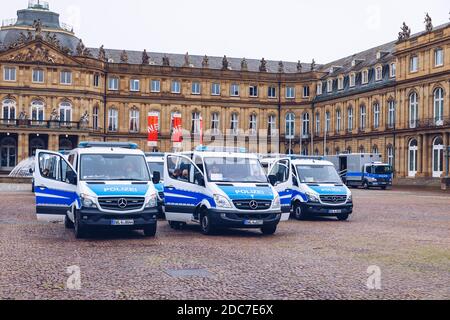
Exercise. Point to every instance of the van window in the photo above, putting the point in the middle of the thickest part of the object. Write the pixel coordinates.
(281, 170)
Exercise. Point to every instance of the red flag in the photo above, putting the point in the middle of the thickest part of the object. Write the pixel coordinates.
(177, 135)
(153, 129)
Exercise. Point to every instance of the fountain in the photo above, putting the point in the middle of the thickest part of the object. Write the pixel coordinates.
(22, 170)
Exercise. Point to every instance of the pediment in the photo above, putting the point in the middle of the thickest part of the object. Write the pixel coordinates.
(38, 52)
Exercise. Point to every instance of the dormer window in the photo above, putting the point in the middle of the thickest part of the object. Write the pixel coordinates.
(393, 70)
(378, 73)
(329, 85)
(319, 88)
(352, 79)
(341, 83)
(365, 76)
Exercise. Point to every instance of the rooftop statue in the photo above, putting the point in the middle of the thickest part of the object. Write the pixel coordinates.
(205, 62)
(299, 66)
(280, 67)
(263, 65)
(145, 57)
(37, 25)
(405, 33)
(428, 23)
(187, 63)
(244, 65)
(124, 57)
(102, 53)
(313, 65)
(165, 61)
(225, 63)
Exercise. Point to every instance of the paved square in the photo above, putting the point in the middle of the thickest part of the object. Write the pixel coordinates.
(406, 233)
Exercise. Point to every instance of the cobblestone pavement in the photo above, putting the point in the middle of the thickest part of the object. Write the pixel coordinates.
(405, 233)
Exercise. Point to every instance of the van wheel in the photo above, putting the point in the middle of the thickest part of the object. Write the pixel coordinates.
(269, 230)
(80, 230)
(205, 221)
(150, 231)
(365, 185)
(299, 212)
(343, 216)
(68, 223)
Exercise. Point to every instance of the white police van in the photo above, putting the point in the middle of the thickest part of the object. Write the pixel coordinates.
(155, 162)
(219, 188)
(99, 185)
(309, 186)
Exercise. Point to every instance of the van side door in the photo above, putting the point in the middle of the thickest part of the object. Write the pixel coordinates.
(281, 169)
(184, 188)
(55, 186)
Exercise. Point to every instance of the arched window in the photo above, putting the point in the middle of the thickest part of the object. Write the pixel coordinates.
(8, 153)
(391, 113)
(65, 112)
(37, 111)
(215, 122)
(413, 110)
(113, 119)
(327, 122)
(375, 150)
(390, 155)
(376, 115)
(134, 120)
(95, 115)
(349, 150)
(438, 157)
(271, 125)
(9, 111)
(362, 117)
(290, 126)
(350, 119)
(196, 123)
(338, 121)
(412, 158)
(253, 123)
(362, 149)
(305, 124)
(234, 123)
(438, 102)
(317, 123)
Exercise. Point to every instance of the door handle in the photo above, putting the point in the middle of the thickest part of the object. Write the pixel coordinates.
(42, 187)
(170, 187)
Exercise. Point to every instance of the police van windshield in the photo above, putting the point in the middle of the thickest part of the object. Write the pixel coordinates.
(382, 170)
(113, 167)
(156, 167)
(315, 174)
(235, 170)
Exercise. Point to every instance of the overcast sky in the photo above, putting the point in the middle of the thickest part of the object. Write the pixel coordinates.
(286, 30)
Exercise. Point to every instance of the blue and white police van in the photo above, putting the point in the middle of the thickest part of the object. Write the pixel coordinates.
(309, 187)
(155, 162)
(219, 188)
(96, 185)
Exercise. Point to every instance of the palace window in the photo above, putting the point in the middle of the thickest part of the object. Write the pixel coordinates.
(234, 90)
(65, 112)
(234, 123)
(306, 92)
(365, 77)
(352, 80)
(391, 113)
(253, 91)
(176, 87)
(376, 115)
(196, 123)
(66, 77)
(134, 85)
(196, 88)
(319, 88)
(290, 126)
(271, 125)
(378, 73)
(9, 74)
(215, 89)
(438, 102)
(438, 57)
(305, 124)
(38, 76)
(155, 86)
(134, 120)
(113, 83)
(350, 119)
(362, 117)
(317, 123)
(327, 122)
(390, 155)
(37, 110)
(341, 83)
(338, 121)
(253, 124)
(272, 92)
(329, 85)
(413, 110)
(96, 80)
(9, 109)
(113, 120)
(95, 118)
(215, 122)
(393, 70)
(290, 92)
(413, 63)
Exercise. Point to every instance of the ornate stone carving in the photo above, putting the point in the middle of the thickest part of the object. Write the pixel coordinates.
(37, 25)
(102, 53)
(205, 62)
(35, 54)
(225, 63)
(166, 61)
(299, 66)
(54, 116)
(244, 65)
(145, 57)
(280, 67)
(80, 48)
(23, 114)
(263, 65)
(428, 23)
(52, 39)
(124, 57)
(405, 33)
(84, 119)
(313, 65)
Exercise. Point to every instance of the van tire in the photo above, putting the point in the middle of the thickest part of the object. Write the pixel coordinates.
(150, 231)
(68, 223)
(343, 216)
(299, 212)
(365, 185)
(269, 230)
(80, 230)
(205, 223)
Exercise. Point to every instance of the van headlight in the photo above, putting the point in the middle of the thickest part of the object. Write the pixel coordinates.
(312, 197)
(350, 198)
(276, 203)
(88, 201)
(221, 201)
(152, 201)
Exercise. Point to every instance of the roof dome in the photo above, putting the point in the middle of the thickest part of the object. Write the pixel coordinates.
(11, 30)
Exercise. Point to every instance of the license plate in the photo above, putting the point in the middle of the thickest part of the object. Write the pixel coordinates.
(253, 222)
(122, 222)
(335, 211)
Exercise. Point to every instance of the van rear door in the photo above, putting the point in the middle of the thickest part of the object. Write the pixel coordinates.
(55, 186)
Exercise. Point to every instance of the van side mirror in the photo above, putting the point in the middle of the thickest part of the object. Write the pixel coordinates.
(273, 180)
(156, 177)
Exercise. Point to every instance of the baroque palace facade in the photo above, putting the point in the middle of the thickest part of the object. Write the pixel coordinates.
(393, 99)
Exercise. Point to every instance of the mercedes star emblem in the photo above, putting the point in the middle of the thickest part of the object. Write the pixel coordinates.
(253, 205)
(122, 203)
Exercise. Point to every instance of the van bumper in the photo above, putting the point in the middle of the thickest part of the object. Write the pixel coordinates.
(97, 218)
(319, 209)
(240, 220)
